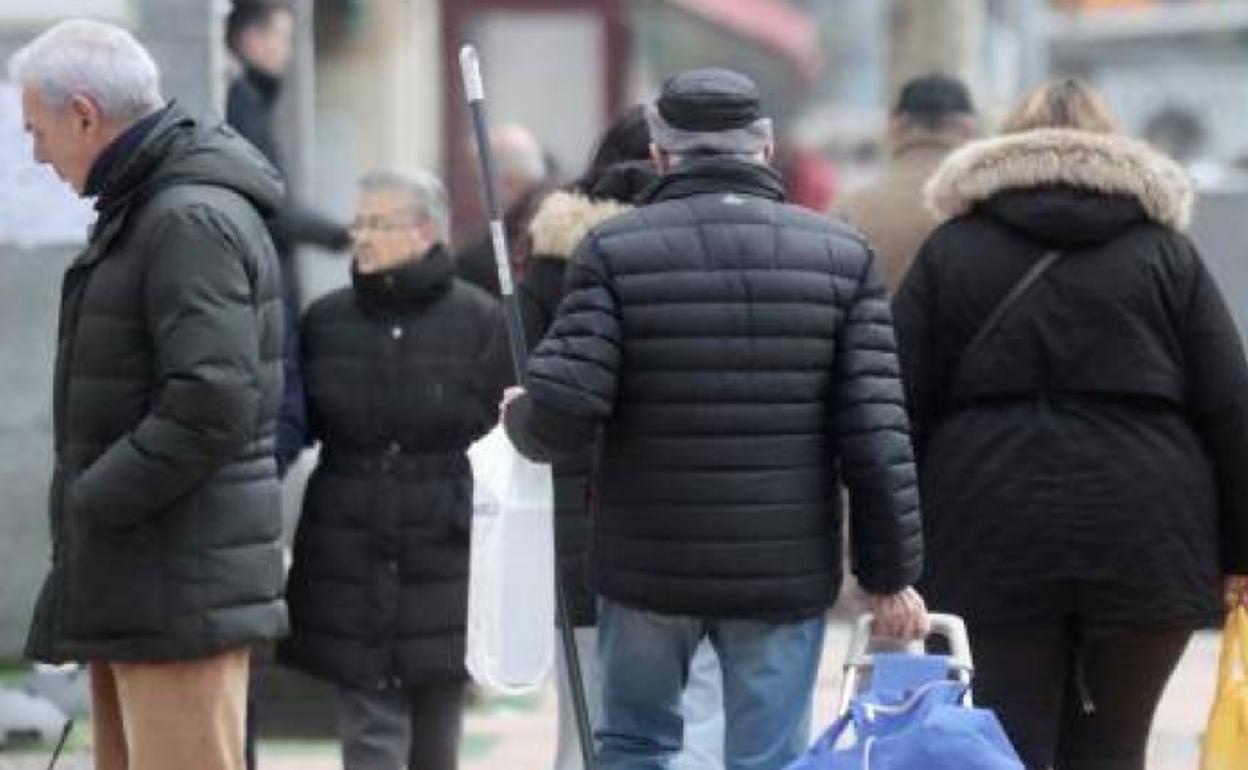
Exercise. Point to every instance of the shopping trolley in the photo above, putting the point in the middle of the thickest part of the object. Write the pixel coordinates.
(905, 709)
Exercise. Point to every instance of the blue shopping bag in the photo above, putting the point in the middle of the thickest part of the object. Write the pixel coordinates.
(912, 718)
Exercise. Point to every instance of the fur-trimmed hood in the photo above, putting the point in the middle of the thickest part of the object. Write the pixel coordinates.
(1062, 158)
(564, 219)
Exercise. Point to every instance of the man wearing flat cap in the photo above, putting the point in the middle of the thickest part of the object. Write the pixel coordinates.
(736, 355)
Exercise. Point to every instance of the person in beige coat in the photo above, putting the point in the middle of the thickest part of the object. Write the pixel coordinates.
(934, 116)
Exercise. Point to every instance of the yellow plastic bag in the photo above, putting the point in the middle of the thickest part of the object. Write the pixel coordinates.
(1226, 737)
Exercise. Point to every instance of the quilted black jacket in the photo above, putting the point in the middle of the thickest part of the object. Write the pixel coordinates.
(738, 355)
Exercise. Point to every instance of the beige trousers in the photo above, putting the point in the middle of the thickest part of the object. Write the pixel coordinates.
(183, 715)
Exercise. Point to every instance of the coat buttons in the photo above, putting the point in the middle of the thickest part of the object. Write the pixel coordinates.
(397, 332)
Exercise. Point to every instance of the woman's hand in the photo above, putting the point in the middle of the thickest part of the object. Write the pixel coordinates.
(902, 615)
(1235, 592)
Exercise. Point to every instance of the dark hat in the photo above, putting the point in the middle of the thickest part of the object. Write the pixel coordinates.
(709, 100)
(934, 95)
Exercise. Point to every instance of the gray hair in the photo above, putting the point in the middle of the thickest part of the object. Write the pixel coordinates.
(89, 58)
(425, 192)
(745, 141)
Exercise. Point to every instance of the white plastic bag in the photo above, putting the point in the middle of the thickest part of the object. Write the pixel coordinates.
(511, 582)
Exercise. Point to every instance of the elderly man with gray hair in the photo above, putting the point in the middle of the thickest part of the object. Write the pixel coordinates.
(164, 507)
(736, 355)
(403, 371)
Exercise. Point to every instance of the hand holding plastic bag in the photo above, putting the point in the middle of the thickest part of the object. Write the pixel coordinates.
(1226, 737)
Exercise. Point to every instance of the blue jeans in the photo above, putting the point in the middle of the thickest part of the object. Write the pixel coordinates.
(768, 674)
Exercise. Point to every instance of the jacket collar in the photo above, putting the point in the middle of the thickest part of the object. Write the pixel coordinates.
(130, 170)
(1052, 158)
(118, 152)
(268, 86)
(916, 141)
(714, 174)
(407, 285)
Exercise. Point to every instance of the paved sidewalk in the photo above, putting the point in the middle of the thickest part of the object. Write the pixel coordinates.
(518, 734)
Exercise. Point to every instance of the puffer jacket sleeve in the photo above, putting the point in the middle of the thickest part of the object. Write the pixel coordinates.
(871, 429)
(200, 306)
(572, 375)
(1217, 395)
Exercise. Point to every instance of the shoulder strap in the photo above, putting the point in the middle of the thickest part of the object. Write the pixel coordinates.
(1009, 300)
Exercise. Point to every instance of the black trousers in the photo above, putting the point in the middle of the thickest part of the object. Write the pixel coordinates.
(1073, 700)
(418, 728)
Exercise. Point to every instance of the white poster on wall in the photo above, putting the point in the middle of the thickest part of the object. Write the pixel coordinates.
(36, 207)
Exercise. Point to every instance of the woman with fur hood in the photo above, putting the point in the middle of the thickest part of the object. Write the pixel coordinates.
(1081, 459)
(618, 173)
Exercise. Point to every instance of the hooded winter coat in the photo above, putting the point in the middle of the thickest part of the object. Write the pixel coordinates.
(1088, 457)
(165, 506)
(404, 370)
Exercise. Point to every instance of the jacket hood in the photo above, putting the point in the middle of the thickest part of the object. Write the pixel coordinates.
(1043, 181)
(564, 219)
(182, 150)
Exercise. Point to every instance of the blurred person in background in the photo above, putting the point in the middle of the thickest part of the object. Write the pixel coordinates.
(934, 115)
(732, 351)
(524, 178)
(260, 35)
(1082, 466)
(403, 370)
(165, 508)
(619, 172)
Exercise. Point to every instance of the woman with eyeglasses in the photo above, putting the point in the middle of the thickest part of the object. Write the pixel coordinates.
(404, 369)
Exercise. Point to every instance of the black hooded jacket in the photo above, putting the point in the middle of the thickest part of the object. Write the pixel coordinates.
(165, 507)
(1088, 457)
(737, 355)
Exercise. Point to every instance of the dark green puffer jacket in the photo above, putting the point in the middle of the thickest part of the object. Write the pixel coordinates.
(165, 504)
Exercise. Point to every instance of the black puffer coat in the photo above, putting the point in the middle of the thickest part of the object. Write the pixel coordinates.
(561, 222)
(165, 505)
(739, 354)
(404, 371)
(1089, 457)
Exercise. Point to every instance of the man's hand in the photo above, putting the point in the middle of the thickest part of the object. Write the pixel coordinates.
(509, 395)
(1235, 592)
(902, 615)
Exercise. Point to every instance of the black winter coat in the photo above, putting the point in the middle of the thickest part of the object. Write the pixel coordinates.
(738, 353)
(165, 506)
(404, 370)
(1089, 457)
(561, 222)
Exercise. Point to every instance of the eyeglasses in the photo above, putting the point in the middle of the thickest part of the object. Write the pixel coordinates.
(384, 224)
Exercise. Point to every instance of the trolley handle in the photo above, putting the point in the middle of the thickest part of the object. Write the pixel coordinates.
(951, 627)
(859, 660)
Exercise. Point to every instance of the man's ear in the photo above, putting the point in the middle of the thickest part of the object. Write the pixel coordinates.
(85, 113)
(769, 151)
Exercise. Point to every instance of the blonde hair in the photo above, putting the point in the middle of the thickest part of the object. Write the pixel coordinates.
(1062, 103)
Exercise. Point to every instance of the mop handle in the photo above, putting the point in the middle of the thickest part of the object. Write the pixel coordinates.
(474, 89)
